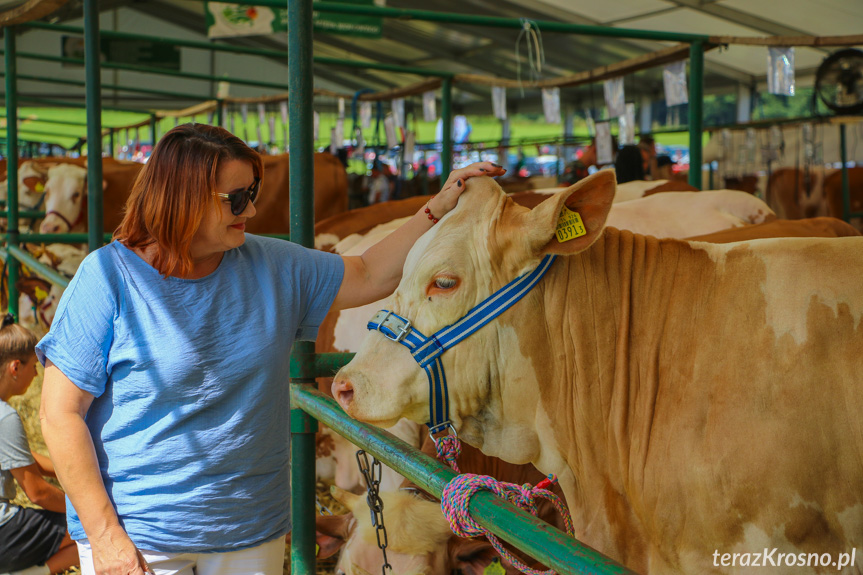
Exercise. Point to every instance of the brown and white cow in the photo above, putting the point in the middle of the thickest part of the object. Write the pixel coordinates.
(67, 192)
(693, 398)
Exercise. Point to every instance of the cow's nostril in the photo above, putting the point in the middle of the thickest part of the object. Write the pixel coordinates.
(343, 391)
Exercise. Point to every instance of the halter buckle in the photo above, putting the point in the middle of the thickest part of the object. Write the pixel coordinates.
(403, 331)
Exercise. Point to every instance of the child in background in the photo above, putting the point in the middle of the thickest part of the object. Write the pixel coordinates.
(32, 541)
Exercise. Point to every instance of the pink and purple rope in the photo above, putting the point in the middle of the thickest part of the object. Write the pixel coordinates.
(457, 493)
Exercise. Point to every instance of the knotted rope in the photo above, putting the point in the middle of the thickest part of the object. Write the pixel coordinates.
(457, 493)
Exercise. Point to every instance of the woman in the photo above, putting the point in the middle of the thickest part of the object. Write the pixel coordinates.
(165, 404)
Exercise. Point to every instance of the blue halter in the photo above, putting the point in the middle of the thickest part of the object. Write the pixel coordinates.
(427, 350)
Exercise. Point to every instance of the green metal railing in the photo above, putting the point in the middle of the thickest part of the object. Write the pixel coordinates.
(544, 543)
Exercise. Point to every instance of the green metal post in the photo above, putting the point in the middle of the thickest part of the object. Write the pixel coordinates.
(303, 426)
(220, 113)
(12, 163)
(92, 76)
(111, 142)
(696, 116)
(846, 194)
(446, 119)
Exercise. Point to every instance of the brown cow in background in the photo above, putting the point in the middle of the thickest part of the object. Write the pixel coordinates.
(272, 205)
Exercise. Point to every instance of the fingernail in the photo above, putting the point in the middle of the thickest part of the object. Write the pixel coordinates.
(482, 169)
(497, 165)
(459, 183)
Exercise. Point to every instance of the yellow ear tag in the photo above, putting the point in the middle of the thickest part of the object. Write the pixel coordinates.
(40, 293)
(569, 226)
(494, 568)
(317, 549)
(40, 187)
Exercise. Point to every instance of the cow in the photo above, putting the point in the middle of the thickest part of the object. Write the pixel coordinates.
(331, 193)
(66, 193)
(32, 176)
(694, 399)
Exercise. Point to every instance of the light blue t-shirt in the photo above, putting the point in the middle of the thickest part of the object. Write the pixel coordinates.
(191, 417)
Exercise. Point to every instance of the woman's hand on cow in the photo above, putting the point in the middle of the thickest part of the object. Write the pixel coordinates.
(447, 199)
(115, 554)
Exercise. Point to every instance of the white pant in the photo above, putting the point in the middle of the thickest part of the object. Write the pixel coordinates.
(266, 559)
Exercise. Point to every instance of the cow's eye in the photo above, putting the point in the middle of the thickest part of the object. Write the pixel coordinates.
(445, 282)
(441, 285)
(75, 196)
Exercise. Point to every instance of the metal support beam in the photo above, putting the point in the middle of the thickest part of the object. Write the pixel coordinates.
(93, 77)
(696, 114)
(494, 22)
(12, 164)
(303, 426)
(215, 47)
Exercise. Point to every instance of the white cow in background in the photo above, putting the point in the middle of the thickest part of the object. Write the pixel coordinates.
(65, 208)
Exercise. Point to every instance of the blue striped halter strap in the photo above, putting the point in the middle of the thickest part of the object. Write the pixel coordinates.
(427, 351)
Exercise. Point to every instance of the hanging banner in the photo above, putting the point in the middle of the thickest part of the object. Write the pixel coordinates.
(551, 105)
(780, 70)
(341, 108)
(429, 106)
(398, 106)
(225, 20)
(614, 97)
(333, 147)
(603, 143)
(366, 114)
(271, 121)
(360, 149)
(410, 143)
(316, 127)
(674, 82)
(588, 120)
(244, 114)
(340, 133)
(627, 126)
(390, 129)
(498, 102)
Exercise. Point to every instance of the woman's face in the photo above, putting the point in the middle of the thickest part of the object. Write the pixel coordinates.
(221, 230)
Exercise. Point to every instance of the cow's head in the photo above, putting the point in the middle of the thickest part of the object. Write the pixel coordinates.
(65, 191)
(479, 247)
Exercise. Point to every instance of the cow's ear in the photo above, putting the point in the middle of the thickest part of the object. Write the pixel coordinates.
(571, 220)
(346, 498)
(331, 532)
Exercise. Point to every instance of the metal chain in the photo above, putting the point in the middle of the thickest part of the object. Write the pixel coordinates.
(372, 476)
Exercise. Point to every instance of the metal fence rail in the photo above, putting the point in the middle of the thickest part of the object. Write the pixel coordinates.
(543, 542)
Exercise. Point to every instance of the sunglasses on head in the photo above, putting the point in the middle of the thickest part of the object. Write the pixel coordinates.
(239, 200)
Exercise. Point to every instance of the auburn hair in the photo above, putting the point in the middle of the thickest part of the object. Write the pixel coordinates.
(172, 192)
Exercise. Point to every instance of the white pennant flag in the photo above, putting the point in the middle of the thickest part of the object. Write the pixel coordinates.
(498, 102)
(429, 106)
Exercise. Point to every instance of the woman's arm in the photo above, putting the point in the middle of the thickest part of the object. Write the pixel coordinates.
(376, 274)
(64, 406)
